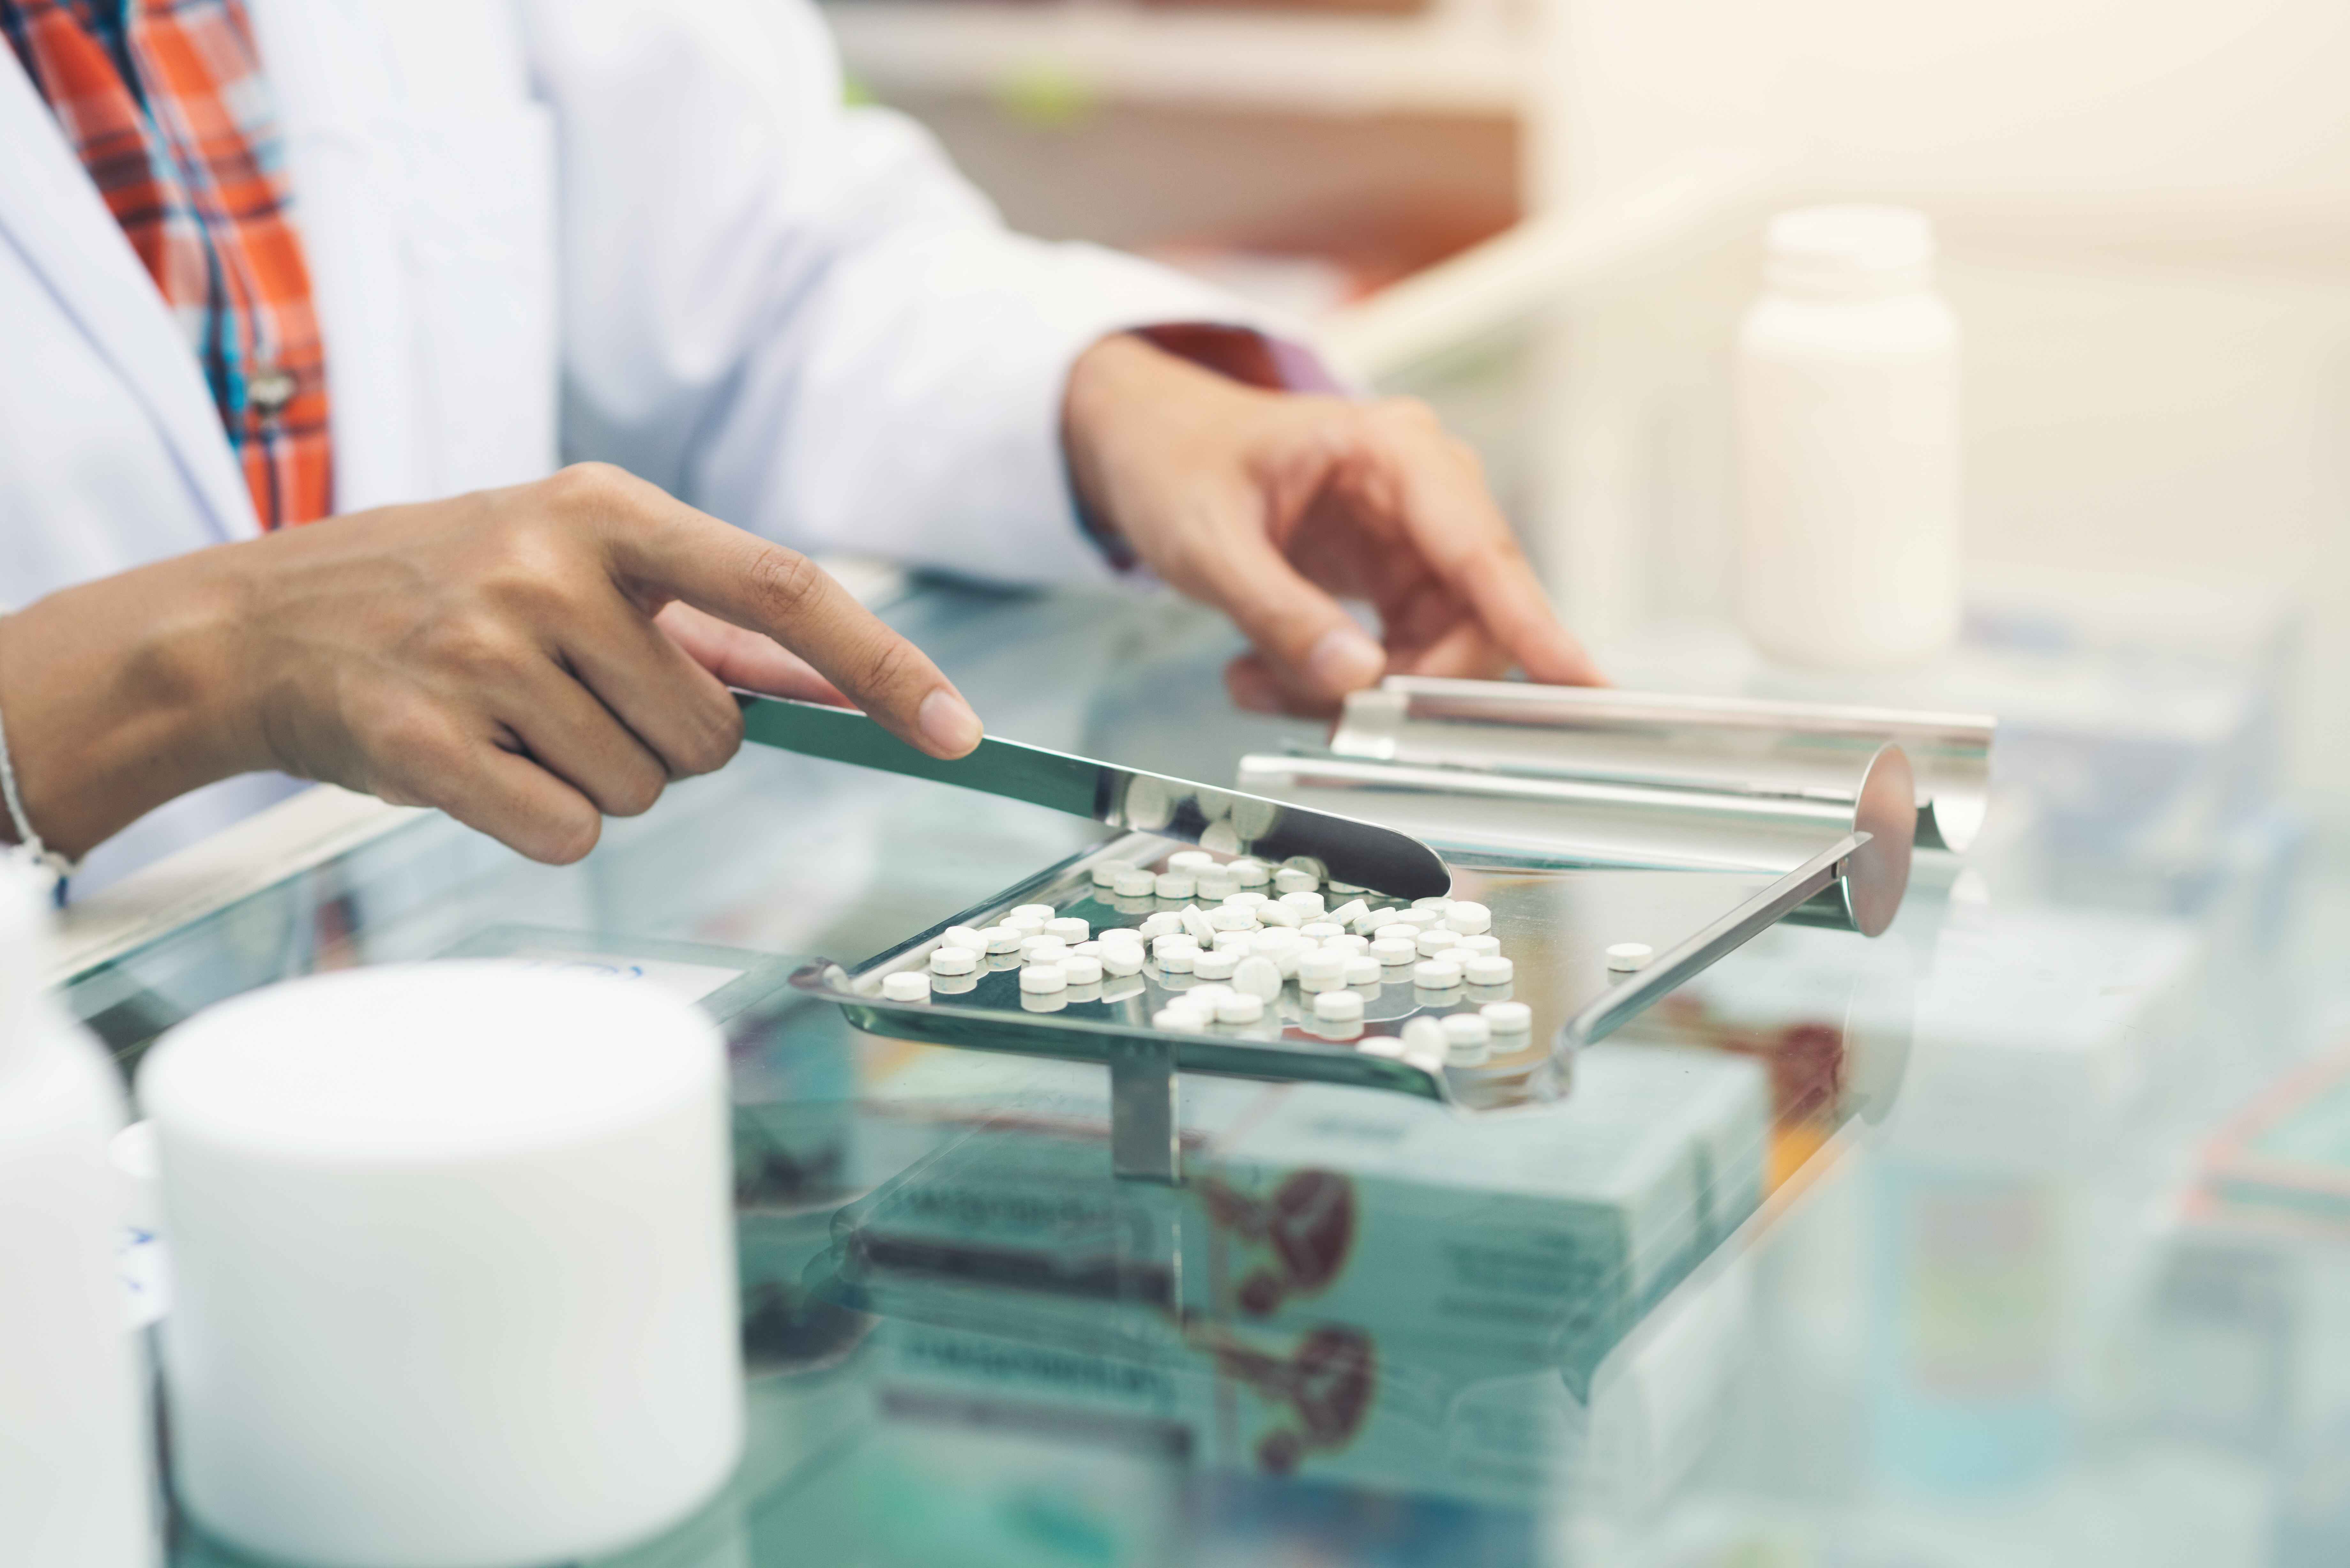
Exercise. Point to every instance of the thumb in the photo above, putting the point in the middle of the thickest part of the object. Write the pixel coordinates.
(1312, 648)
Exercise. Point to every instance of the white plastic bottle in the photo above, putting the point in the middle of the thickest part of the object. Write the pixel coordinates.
(1848, 387)
(74, 1484)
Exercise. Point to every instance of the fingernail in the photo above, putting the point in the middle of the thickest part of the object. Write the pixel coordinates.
(1343, 659)
(948, 723)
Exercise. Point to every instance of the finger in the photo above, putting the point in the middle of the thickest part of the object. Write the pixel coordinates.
(1465, 651)
(1253, 687)
(492, 790)
(1310, 646)
(567, 731)
(672, 550)
(668, 701)
(1444, 507)
(745, 658)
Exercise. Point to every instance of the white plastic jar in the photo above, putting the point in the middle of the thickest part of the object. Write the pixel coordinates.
(1847, 394)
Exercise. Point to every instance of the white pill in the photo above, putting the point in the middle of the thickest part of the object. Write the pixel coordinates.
(1258, 976)
(1205, 996)
(1438, 903)
(1196, 922)
(1338, 1007)
(1423, 1036)
(1070, 929)
(1042, 948)
(1090, 948)
(1348, 913)
(1380, 1045)
(1218, 964)
(1135, 882)
(1160, 924)
(1307, 865)
(1478, 944)
(1042, 911)
(954, 960)
(970, 937)
(906, 985)
(1419, 919)
(1321, 970)
(1434, 941)
(1232, 917)
(1338, 887)
(1028, 920)
(1508, 1017)
(1041, 977)
(1175, 885)
(1625, 957)
(1436, 974)
(1106, 874)
(1121, 958)
(1346, 943)
(1191, 860)
(1246, 900)
(1394, 951)
(1239, 1007)
(1216, 883)
(1488, 968)
(1309, 905)
(1119, 934)
(1467, 1040)
(1468, 918)
(1178, 1019)
(1236, 941)
(1288, 880)
(1179, 961)
(1397, 931)
(1369, 921)
(1082, 968)
(1167, 941)
(1362, 968)
(1249, 873)
(1321, 930)
(1003, 939)
(1279, 915)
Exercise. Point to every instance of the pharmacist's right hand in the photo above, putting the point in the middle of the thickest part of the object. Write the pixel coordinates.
(532, 660)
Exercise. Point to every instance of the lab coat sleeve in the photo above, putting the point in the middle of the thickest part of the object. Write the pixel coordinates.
(797, 315)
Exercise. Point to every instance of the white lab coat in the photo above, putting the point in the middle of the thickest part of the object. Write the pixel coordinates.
(645, 231)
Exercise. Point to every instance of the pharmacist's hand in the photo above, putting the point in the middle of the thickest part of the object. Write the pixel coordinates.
(529, 659)
(1273, 507)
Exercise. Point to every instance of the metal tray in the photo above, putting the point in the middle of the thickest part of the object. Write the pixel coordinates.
(1555, 924)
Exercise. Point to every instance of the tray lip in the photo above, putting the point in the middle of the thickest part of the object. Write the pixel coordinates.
(1276, 1061)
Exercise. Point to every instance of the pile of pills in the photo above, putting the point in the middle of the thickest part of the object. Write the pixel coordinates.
(1231, 939)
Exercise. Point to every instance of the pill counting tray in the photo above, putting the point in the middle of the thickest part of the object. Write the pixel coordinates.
(1554, 924)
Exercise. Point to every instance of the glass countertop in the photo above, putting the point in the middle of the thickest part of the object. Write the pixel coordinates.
(2017, 1236)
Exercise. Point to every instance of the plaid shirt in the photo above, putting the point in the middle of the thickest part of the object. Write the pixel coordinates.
(165, 103)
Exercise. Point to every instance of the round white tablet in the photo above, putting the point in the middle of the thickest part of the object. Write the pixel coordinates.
(1121, 958)
(1106, 874)
(1436, 974)
(1193, 860)
(1321, 930)
(1258, 976)
(954, 960)
(1119, 934)
(1003, 939)
(1362, 968)
(1246, 899)
(1321, 970)
(1394, 951)
(1196, 924)
(1338, 1007)
(1437, 903)
(1348, 913)
(1218, 964)
(1307, 865)
(1287, 880)
(1396, 932)
(1478, 944)
(1423, 1034)
(1135, 882)
(1434, 941)
(1279, 915)
(1178, 1019)
(1070, 929)
(1160, 924)
(1179, 961)
(1168, 942)
(1468, 918)
(1175, 885)
(1508, 1017)
(1308, 904)
(1488, 968)
(1421, 920)
(1239, 1007)
(1042, 911)
(906, 985)
(1346, 943)
(1247, 872)
(1625, 957)
(1232, 917)
(1467, 1029)
(1042, 948)
(1238, 940)
(1042, 977)
(1380, 1045)
(1082, 968)
(1216, 883)
(963, 937)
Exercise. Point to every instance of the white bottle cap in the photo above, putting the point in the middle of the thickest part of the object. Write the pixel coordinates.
(1849, 252)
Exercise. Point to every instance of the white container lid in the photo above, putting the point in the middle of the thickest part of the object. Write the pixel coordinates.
(1844, 251)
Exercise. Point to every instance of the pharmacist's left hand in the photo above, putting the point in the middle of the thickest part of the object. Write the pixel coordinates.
(1273, 507)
